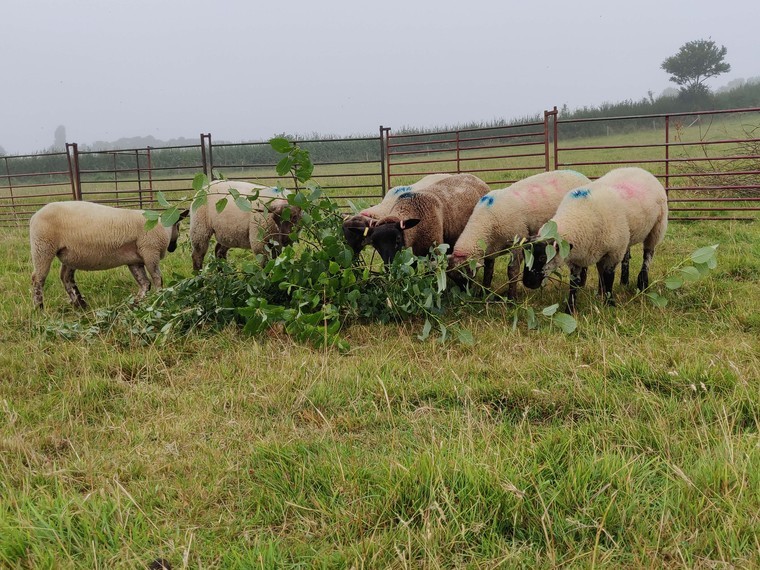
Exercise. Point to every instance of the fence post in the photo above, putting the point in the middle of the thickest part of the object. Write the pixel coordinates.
(546, 141)
(72, 176)
(667, 155)
(382, 162)
(459, 167)
(203, 155)
(139, 179)
(150, 175)
(385, 158)
(556, 138)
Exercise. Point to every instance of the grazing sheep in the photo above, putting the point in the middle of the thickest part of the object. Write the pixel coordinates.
(502, 215)
(235, 228)
(91, 237)
(354, 226)
(419, 219)
(601, 221)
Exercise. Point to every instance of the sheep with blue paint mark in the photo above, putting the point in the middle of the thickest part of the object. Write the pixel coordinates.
(508, 214)
(601, 221)
(427, 216)
(355, 228)
(265, 224)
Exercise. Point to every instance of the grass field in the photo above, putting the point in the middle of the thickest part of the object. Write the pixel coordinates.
(632, 443)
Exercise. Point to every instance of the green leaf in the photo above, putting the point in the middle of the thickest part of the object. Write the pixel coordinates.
(690, 273)
(280, 144)
(550, 252)
(704, 254)
(220, 206)
(284, 166)
(530, 317)
(566, 322)
(151, 215)
(548, 230)
(465, 337)
(150, 224)
(550, 310)
(657, 299)
(170, 217)
(528, 258)
(425, 330)
(564, 248)
(200, 181)
(162, 200)
(243, 203)
(673, 282)
(199, 201)
(441, 277)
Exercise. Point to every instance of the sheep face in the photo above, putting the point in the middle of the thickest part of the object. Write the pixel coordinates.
(542, 267)
(174, 231)
(388, 238)
(356, 230)
(284, 222)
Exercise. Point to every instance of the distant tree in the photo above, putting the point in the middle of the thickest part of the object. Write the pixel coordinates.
(694, 63)
(59, 142)
(2, 151)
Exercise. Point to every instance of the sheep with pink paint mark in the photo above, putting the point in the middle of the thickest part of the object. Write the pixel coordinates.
(601, 221)
(508, 214)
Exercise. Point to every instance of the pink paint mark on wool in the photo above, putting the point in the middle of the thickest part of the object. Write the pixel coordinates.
(628, 191)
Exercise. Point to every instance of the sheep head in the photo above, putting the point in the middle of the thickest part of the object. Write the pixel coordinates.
(387, 236)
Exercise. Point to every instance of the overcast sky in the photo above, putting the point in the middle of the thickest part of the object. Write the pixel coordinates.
(247, 69)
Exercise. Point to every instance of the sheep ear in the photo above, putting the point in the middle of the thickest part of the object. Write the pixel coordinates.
(408, 224)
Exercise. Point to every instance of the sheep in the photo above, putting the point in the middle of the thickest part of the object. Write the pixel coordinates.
(91, 237)
(354, 226)
(601, 221)
(236, 228)
(502, 215)
(433, 214)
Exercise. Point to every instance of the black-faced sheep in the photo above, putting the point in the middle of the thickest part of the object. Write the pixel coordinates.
(235, 228)
(92, 237)
(601, 221)
(354, 226)
(431, 215)
(502, 215)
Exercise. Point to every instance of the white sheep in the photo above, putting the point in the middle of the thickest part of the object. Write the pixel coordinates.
(600, 221)
(434, 214)
(502, 215)
(91, 237)
(354, 226)
(235, 228)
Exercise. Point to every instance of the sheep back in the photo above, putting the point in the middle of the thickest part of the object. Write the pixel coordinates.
(382, 209)
(625, 207)
(516, 211)
(92, 237)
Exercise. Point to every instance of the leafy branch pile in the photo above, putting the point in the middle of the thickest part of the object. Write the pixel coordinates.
(314, 286)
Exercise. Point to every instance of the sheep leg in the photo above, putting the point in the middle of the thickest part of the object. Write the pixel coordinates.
(584, 274)
(67, 277)
(138, 272)
(220, 252)
(200, 236)
(624, 266)
(513, 273)
(576, 275)
(643, 280)
(151, 264)
(606, 280)
(488, 267)
(39, 275)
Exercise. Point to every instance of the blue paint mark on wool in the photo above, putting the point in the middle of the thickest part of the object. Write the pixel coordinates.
(401, 189)
(580, 193)
(406, 195)
(487, 201)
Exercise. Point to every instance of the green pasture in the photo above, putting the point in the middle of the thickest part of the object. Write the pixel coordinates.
(631, 443)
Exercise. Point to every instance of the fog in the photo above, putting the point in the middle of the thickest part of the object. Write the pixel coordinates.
(243, 70)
